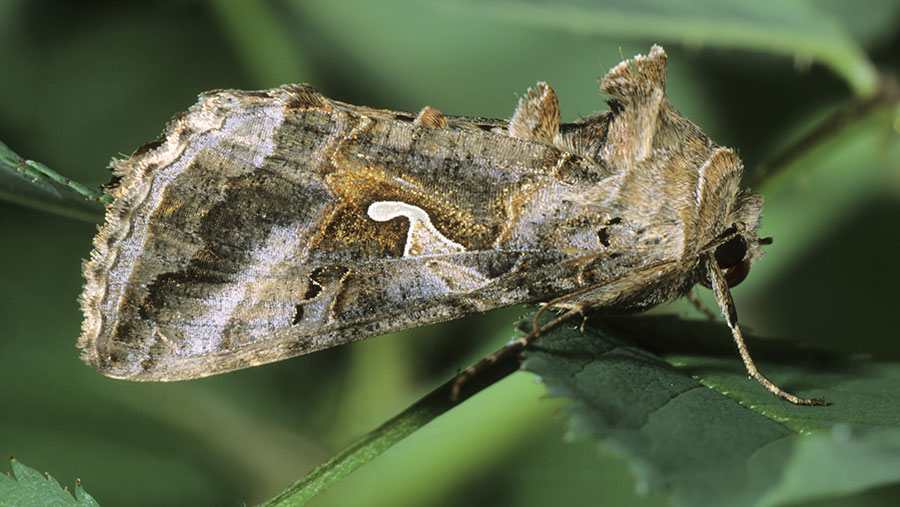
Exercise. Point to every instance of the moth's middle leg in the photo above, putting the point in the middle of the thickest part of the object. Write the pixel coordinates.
(513, 349)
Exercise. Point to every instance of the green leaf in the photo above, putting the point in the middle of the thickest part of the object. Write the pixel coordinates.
(29, 487)
(33, 184)
(673, 397)
(803, 30)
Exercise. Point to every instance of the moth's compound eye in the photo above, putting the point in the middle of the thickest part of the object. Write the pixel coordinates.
(736, 275)
(730, 257)
(730, 253)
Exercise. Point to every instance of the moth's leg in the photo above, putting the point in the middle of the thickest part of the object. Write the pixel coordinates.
(516, 347)
(580, 307)
(702, 308)
(726, 304)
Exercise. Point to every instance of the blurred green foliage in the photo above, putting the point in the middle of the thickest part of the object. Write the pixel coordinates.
(85, 81)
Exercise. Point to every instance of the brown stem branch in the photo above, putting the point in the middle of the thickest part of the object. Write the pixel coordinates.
(853, 112)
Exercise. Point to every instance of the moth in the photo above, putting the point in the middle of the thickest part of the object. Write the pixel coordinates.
(267, 224)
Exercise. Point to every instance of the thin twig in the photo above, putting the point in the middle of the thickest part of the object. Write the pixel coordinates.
(855, 111)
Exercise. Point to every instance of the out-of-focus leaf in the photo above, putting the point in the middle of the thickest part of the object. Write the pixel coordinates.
(802, 30)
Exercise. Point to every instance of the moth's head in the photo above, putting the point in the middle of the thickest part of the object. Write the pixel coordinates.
(738, 245)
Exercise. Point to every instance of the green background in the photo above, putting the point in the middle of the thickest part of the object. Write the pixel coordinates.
(85, 81)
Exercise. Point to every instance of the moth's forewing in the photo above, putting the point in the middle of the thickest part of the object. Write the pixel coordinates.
(271, 224)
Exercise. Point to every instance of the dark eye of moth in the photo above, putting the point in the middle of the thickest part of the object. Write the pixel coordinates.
(730, 253)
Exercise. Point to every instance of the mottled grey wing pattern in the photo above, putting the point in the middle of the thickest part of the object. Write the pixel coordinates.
(267, 225)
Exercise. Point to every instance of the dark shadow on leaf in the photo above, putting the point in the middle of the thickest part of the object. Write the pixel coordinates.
(670, 336)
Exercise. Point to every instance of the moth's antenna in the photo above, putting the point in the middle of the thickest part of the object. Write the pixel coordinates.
(726, 305)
